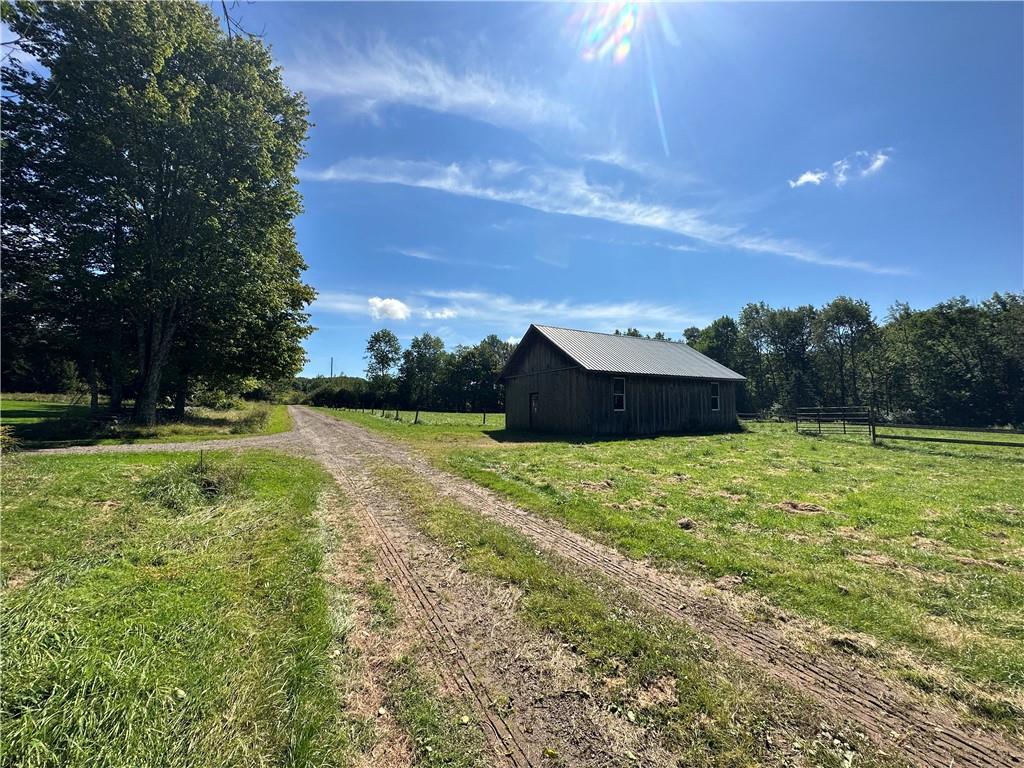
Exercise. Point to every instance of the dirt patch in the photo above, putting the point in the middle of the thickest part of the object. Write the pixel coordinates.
(733, 497)
(362, 659)
(800, 507)
(975, 562)
(19, 579)
(879, 560)
(862, 645)
(604, 486)
(728, 582)
(926, 544)
(634, 505)
(660, 693)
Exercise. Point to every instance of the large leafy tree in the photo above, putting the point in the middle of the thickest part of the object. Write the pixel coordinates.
(420, 370)
(151, 159)
(383, 353)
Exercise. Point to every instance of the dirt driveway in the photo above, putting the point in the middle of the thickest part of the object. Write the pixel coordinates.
(458, 619)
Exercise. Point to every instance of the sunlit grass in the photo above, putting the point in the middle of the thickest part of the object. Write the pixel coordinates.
(158, 612)
(920, 546)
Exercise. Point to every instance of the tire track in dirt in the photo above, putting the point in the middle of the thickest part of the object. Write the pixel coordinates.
(437, 634)
(930, 737)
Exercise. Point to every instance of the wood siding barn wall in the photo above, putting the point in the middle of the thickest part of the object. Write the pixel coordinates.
(555, 378)
(658, 404)
(571, 400)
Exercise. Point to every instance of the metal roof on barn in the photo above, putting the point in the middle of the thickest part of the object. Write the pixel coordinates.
(608, 353)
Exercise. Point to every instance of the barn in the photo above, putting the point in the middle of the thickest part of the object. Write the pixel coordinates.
(582, 382)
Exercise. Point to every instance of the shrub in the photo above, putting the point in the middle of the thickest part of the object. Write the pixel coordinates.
(8, 442)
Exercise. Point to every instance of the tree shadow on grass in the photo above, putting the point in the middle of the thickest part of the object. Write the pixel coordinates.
(84, 429)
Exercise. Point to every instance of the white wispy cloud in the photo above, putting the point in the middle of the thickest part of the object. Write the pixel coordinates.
(425, 254)
(809, 177)
(380, 75)
(567, 191)
(417, 253)
(494, 309)
(861, 163)
(388, 309)
(502, 312)
(876, 160)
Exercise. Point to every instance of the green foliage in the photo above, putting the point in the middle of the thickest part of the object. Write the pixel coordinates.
(382, 355)
(956, 363)
(149, 192)
(8, 441)
(160, 615)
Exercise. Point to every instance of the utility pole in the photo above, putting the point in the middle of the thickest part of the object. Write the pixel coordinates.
(332, 366)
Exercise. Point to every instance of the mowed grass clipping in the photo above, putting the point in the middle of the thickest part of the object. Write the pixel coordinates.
(39, 424)
(161, 612)
(920, 546)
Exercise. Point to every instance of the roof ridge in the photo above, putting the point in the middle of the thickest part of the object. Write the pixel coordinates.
(605, 333)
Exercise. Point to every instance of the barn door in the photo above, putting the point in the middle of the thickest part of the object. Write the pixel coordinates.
(533, 407)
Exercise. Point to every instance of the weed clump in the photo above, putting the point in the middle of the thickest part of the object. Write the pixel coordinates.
(253, 420)
(184, 487)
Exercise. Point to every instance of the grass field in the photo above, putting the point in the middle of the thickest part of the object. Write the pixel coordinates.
(703, 709)
(156, 612)
(917, 547)
(159, 612)
(39, 423)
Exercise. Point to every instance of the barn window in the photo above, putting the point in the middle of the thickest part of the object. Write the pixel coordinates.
(714, 396)
(619, 393)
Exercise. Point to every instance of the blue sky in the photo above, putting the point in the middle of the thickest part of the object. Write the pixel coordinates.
(476, 167)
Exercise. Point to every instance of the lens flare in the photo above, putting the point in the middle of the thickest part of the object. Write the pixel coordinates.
(605, 30)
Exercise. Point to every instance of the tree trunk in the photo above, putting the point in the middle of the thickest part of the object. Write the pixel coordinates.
(94, 387)
(180, 398)
(116, 375)
(155, 337)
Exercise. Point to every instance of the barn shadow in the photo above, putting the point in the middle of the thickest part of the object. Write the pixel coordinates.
(528, 436)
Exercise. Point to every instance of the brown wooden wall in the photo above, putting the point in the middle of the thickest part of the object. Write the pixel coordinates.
(571, 400)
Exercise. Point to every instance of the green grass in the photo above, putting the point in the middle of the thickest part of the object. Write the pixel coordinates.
(705, 709)
(920, 546)
(38, 424)
(160, 613)
(441, 733)
(446, 427)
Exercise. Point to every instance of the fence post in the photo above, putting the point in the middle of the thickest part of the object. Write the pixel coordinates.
(417, 419)
(485, 417)
(819, 419)
(871, 424)
(797, 412)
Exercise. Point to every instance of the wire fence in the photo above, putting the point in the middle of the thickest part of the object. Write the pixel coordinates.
(438, 418)
(836, 420)
(858, 421)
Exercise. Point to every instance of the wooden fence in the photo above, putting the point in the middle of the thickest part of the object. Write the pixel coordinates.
(886, 432)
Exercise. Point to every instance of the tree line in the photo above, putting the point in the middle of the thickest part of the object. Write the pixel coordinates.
(423, 376)
(957, 363)
(149, 191)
